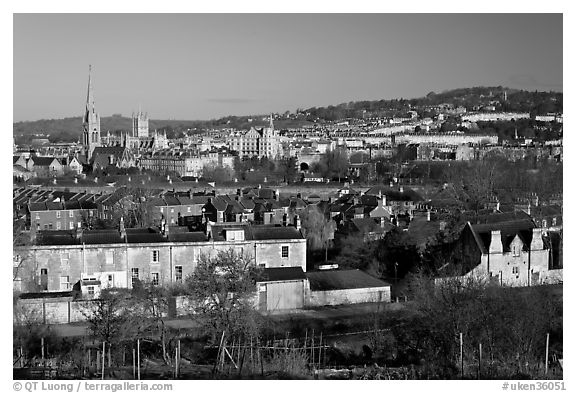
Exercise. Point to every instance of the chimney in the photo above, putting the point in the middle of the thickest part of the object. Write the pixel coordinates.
(537, 242)
(284, 219)
(401, 188)
(428, 214)
(495, 243)
(529, 205)
(277, 196)
(379, 194)
(297, 222)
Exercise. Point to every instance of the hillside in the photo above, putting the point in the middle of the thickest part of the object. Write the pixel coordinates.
(516, 101)
(69, 129)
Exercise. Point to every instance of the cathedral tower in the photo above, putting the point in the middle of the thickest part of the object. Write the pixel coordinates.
(140, 124)
(91, 122)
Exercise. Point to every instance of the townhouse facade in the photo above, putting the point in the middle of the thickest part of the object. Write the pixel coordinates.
(117, 258)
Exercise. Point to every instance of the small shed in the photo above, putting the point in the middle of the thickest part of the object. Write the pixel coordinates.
(336, 287)
(281, 288)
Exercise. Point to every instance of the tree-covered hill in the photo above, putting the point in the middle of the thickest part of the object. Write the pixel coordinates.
(535, 102)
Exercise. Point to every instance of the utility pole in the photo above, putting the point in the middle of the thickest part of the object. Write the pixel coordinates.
(133, 363)
(461, 356)
(138, 357)
(546, 359)
(103, 357)
(479, 360)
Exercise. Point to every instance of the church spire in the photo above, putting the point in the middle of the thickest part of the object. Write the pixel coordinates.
(89, 97)
(91, 121)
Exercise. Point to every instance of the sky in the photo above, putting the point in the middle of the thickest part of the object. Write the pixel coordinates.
(204, 66)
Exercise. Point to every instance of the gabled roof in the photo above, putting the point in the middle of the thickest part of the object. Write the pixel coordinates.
(370, 225)
(508, 226)
(219, 203)
(44, 161)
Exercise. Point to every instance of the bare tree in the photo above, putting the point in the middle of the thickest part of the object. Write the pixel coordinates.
(153, 300)
(222, 289)
(318, 228)
(108, 316)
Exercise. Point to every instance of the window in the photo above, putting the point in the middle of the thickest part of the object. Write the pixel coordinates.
(515, 270)
(71, 225)
(91, 290)
(71, 214)
(284, 251)
(135, 276)
(109, 257)
(58, 214)
(178, 273)
(91, 213)
(155, 256)
(110, 280)
(64, 283)
(58, 225)
(50, 226)
(37, 216)
(172, 210)
(155, 278)
(189, 209)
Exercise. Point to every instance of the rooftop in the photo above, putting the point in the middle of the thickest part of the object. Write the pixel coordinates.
(342, 279)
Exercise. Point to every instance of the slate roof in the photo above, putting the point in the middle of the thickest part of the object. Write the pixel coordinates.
(281, 274)
(43, 161)
(342, 279)
(257, 232)
(509, 225)
(367, 225)
(394, 194)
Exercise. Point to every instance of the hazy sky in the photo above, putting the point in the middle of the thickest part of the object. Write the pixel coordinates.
(201, 66)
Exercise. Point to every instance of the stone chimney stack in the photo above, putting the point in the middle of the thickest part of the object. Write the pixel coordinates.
(537, 242)
(495, 243)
